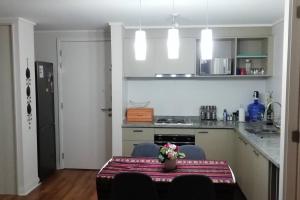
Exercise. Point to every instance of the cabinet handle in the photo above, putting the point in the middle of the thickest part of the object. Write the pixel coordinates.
(202, 131)
(256, 153)
(245, 143)
(137, 131)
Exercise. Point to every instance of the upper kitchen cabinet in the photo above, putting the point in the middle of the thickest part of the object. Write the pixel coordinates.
(238, 57)
(238, 52)
(254, 56)
(138, 68)
(157, 61)
(223, 60)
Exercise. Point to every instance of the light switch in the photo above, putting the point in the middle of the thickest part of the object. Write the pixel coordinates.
(298, 12)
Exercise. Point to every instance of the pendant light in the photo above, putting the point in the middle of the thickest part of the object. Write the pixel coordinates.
(173, 38)
(206, 40)
(140, 43)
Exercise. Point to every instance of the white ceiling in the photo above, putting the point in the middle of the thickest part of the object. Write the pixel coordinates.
(94, 14)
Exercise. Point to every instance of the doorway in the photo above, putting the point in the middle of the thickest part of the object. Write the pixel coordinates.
(85, 103)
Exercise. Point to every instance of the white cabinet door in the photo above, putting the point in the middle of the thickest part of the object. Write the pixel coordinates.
(134, 136)
(252, 171)
(185, 64)
(141, 68)
(138, 134)
(239, 148)
(249, 170)
(157, 61)
(260, 176)
(218, 144)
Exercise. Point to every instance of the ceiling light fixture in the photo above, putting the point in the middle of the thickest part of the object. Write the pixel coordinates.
(206, 40)
(140, 42)
(173, 37)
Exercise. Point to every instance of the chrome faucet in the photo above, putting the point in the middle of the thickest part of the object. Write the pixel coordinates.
(276, 124)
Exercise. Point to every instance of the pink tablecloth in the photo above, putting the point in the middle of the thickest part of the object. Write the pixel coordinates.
(217, 171)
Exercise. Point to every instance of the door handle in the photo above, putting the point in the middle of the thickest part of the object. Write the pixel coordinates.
(106, 109)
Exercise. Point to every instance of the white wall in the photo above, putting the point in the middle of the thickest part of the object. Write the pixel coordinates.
(274, 83)
(118, 87)
(25, 133)
(28, 146)
(184, 97)
(8, 173)
(46, 50)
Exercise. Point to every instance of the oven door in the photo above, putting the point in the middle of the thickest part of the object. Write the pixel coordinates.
(162, 139)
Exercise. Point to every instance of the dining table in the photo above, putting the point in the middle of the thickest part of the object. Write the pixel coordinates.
(217, 170)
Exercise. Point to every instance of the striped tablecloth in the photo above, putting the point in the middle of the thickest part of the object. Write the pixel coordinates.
(217, 171)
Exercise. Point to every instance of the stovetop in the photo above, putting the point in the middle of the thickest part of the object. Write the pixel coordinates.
(172, 121)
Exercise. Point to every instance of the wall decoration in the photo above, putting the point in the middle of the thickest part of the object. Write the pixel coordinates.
(28, 94)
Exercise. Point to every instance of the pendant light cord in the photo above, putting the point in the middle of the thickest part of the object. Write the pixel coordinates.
(173, 14)
(206, 17)
(173, 6)
(140, 20)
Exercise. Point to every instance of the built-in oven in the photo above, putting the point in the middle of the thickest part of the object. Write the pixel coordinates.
(177, 139)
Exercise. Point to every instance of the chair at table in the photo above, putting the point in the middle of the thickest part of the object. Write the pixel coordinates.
(133, 186)
(145, 150)
(193, 152)
(192, 187)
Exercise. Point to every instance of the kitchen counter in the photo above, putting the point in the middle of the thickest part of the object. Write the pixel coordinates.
(193, 123)
(267, 146)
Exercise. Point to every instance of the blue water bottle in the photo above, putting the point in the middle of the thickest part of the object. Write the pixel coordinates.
(256, 110)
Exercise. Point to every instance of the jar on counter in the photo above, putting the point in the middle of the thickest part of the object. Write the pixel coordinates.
(248, 65)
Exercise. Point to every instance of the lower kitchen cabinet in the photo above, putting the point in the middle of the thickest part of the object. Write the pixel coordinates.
(218, 144)
(134, 136)
(138, 134)
(128, 146)
(252, 171)
(260, 177)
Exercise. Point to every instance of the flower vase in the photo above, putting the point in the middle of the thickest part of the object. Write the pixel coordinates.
(170, 165)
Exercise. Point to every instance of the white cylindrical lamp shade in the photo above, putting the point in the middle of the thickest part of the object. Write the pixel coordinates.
(140, 45)
(173, 43)
(206, 44)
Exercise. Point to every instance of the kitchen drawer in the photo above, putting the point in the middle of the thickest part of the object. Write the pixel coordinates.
(128, 146)
(138, 134)
(176, 131)
(214, 131)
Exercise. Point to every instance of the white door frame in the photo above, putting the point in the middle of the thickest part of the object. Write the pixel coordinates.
(290, 102)
(59, 147)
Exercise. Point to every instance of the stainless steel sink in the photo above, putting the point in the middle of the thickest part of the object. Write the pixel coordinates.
(263, 131)
(267, 135)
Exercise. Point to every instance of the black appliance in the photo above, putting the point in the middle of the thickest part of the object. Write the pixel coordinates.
(162, 139)
(45, 119)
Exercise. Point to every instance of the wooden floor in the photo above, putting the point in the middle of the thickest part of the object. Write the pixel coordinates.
(64, 185)
(70, 185)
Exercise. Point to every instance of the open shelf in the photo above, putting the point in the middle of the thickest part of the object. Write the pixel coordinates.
(252, 52)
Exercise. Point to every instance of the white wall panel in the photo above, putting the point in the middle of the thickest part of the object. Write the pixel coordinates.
(184, 97)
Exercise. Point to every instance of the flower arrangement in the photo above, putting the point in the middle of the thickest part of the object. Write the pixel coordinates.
(169, 152)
